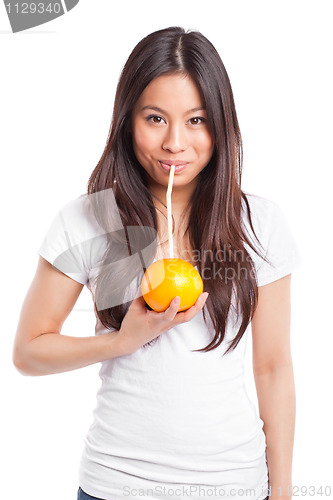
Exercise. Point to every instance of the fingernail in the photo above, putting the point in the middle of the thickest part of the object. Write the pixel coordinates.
(204, 296)
(176, 300)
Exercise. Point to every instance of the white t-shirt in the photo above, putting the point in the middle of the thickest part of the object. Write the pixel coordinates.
(170, 423)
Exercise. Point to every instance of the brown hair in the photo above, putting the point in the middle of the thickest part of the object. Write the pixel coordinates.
(218, 192)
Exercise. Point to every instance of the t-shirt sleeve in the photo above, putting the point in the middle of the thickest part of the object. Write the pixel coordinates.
(278, 242)
(67, 242)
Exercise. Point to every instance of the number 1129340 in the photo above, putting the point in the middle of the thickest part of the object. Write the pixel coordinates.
(32, 8)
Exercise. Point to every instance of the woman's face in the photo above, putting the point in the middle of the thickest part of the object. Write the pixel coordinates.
(169, 126)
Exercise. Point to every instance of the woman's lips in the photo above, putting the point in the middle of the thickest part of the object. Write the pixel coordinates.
(178, 168)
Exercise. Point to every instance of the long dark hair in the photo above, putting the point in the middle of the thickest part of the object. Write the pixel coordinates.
(218, 193)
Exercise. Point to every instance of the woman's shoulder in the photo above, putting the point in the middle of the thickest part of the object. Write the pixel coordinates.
(78, 207)
(271, 227)
(259, 205)
(74, 241)
(78, 216)
(263, 211)
(73, 224)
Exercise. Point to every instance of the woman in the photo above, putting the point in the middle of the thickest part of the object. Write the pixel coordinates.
(173, 417)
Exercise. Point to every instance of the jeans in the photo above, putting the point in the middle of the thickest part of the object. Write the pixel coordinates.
(81, 495)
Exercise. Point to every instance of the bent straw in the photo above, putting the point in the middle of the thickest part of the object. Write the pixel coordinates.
(168, 196)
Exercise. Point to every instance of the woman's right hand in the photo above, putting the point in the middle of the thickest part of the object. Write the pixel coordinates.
(141, 325)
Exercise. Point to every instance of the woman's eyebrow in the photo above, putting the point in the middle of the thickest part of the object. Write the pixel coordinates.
(159, 110)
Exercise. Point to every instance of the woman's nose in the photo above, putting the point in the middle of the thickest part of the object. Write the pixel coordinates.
(175, 140)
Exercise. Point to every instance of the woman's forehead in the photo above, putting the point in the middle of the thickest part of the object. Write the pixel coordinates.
(177, 91)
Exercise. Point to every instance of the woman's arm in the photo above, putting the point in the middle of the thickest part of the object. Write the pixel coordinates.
(274, 380)
(39, 348)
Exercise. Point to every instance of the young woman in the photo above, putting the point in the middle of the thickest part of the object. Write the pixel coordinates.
(173, 418)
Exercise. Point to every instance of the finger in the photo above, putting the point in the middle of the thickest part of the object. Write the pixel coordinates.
(202, 299)
(192, 311)
(171, 311)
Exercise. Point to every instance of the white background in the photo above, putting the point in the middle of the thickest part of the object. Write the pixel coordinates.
(57, 89)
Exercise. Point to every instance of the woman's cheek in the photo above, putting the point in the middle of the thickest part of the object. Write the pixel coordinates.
(204, 142)
(144, 139)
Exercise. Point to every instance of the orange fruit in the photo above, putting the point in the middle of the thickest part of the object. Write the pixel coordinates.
(167, 278)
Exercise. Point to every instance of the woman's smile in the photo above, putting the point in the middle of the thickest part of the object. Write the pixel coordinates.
(179, 165)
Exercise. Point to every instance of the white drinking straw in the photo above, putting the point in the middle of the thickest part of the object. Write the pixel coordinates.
(169, 212)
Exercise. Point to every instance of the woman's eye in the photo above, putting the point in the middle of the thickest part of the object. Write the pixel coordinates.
(154, 119)
(197, 120)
